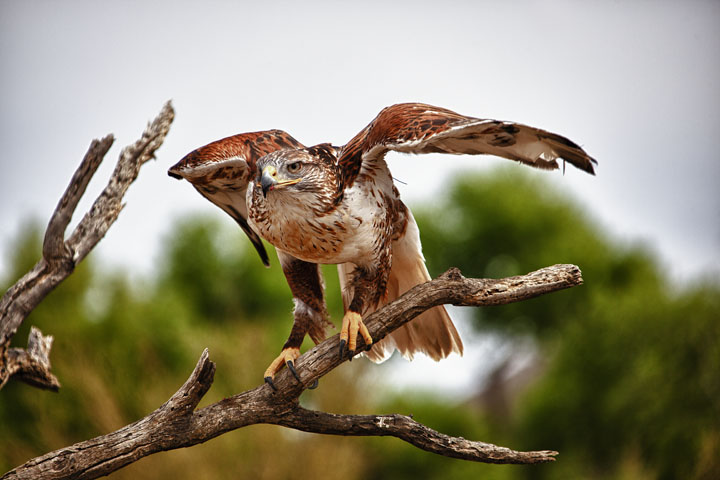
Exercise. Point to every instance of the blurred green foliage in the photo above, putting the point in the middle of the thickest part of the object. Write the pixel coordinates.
(633, 379)
(629, 387)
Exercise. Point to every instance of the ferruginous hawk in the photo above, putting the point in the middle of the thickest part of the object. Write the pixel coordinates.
(338, 205)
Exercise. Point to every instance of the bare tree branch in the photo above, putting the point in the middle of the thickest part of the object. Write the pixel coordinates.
(412, 432)
(32, 365)
(54, 244)
(60, 256)
(178, 424)
(450, 288)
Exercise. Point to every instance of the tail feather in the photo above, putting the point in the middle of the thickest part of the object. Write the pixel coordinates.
(431, 332)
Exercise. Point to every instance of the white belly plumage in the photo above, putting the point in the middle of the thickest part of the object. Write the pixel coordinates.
(347, 234)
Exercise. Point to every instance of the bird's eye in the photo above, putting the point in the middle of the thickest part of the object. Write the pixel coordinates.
(293, 167)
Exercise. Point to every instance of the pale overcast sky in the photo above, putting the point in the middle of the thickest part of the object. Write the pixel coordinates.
(636, 83)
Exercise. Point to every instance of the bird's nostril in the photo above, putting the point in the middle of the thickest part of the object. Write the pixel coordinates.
(270, 170)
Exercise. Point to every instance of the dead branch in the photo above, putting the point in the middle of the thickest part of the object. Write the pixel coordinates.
(412, 432)
(32, 365)
(178, 424)
(60, 256)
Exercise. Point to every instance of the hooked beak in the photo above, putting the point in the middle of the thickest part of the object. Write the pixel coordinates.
(269, 180)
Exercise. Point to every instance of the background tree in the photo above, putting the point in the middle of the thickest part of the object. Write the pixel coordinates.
(631, 384)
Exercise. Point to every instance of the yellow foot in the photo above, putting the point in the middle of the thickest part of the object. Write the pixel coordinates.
(352, 323)
(286, 357)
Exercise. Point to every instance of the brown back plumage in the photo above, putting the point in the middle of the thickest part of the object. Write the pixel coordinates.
(220, 171)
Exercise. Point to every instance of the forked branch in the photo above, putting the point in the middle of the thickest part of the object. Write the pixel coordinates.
(178, 424)
(60, 256)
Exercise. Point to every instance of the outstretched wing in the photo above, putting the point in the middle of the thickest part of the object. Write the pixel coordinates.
(221, 171)
(419, 128)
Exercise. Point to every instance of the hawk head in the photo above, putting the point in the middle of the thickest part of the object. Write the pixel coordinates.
(303, 178)
(222, 170)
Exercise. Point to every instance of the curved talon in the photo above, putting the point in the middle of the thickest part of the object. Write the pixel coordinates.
(342, 348)
(286, 357)
(314, 385)
(269, 381)
(291, 367)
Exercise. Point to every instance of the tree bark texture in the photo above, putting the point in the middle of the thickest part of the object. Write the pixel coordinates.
(60, 256)
(178, 423)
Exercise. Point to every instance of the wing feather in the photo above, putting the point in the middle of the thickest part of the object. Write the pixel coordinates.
(419, 128)
(220, 171)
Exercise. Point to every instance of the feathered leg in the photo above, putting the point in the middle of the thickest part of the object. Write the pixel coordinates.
(368, 288)
(369, 283)
(310, 313)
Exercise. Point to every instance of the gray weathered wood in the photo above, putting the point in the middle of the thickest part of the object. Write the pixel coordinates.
(178, 424)
(60, 256)
(32, 365)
